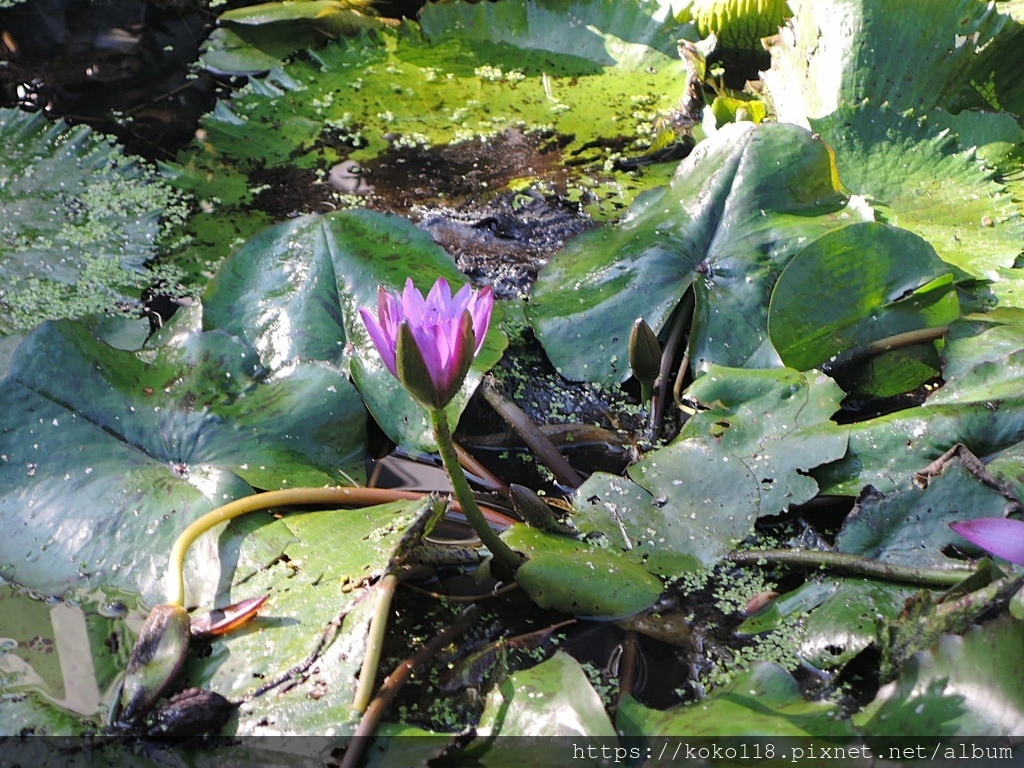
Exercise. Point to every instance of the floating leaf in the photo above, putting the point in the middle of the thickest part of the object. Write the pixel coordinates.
(333, 554)
(919, 178)
(294, 292)
(911, 527)
(764, 699)
(965, 686)
(553, 698)
(854, 286)
(567, 575)
(682, 510)
(980, 406)
(738, 209)
(846, 51)
(689, 503)
(108, 453)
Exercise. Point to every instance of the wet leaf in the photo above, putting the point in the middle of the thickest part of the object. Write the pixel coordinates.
(920, 178)
(294, 292)
(108, 453)
(844, 52)
(777, 423)
(738, 209)
(857, 285)
(554, 698)
(765, 699)
(911, 527)
(571, 576)
(968, 685)
(334, 554)
(689, 503)
(980, 406)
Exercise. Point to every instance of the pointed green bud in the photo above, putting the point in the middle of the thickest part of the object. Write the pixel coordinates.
(155, 661)
(644, 353)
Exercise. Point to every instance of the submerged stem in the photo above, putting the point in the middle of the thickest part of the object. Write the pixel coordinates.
(862, 566)
(498, 548)
(375, 642)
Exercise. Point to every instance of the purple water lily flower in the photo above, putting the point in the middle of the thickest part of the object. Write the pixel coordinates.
(1001, 536)
(429, 343)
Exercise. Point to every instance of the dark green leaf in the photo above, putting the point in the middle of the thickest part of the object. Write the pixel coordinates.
(966, 686)
(567, 575)
(109, 453)
(854, 286)
(743, 204)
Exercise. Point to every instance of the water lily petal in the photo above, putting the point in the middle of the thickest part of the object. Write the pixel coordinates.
(481, 310)
(383, 341)
(428, 343)
(1001, 536)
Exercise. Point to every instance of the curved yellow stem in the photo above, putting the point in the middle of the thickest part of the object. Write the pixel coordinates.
(348, 497)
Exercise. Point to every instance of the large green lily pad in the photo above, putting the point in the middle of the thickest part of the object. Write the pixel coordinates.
(845, 51)
(107, 453)
(857, 285)
(738, 209)
(921, 178)
(294, 292)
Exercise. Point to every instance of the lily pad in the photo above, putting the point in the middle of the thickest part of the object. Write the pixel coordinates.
(294, 292)
(980, 406)
(857, 285)
(107, 453)
(765, 699)
(553, 698)
(689, 503)
(846, 51)
(968, 685)
(738, 209)
(334, 556)
(567, 575)
(911, 527)
(922, 179)
(777, 423)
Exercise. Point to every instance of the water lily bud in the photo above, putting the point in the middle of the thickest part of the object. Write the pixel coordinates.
(419, 370)
(644, 353)
(428, 343)
(155, 661)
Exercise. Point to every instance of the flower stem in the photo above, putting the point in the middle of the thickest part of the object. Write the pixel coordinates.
(861, 566)
(446, 447)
